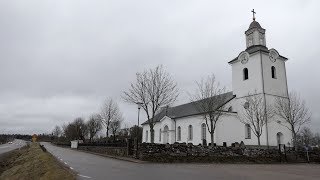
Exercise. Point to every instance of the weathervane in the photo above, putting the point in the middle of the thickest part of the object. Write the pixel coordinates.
(254, 18)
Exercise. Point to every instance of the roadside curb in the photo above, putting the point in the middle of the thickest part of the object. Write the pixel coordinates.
(108, 156)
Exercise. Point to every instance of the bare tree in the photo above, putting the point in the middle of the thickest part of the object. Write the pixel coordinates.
(294, 113)
(307, 136)
(110, 112)
(57, 132)
(210, 100)
(94, 125)
(316, 139)
(256, 113)
(115, 125)
(153, 89)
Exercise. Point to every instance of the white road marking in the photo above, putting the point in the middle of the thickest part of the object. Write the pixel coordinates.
(84, 176)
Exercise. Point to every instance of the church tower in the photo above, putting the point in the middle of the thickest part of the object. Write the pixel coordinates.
(257, 69)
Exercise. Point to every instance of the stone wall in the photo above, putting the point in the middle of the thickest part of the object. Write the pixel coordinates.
(112, 151)
(168, 153)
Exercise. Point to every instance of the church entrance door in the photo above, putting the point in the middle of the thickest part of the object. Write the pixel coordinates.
(166, 135)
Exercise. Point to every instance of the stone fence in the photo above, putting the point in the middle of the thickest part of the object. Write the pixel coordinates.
(112, 151)
(240, 154)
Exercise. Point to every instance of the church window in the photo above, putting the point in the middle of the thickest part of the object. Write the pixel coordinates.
(147, 136)
(273, 72)
(247, 131)
(160, 135)
(203, 131)
(179, 134)
(190, 132)
(245, 74)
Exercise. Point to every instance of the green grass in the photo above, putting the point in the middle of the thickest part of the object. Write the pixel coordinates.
(32, 163)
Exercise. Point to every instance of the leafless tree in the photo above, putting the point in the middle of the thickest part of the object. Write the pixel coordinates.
(94, 125)
(293, 112)
(307, 136)
(153, 89)
(57, 132)
(110, 112)
(115, 125)
(210, 100)
(316, 139)
(256, 113)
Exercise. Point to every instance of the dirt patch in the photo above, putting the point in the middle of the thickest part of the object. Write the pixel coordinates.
(32, 163)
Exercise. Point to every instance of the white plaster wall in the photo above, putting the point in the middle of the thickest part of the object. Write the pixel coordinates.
(242, 87)
(145, 128)
(160, 125)
(196, 122)
(239, 102)
(276, 86)
(274, 127)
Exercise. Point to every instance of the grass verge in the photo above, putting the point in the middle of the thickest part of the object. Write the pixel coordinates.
(31, 162)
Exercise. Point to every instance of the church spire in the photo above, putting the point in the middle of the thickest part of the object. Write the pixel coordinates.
(255, 35)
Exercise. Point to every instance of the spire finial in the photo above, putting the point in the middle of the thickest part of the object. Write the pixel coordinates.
(254, 18)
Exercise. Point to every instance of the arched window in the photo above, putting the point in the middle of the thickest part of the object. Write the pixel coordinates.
(203, 131)
(247, 131)
(179, 134)
(273, 72)
(245, 74)
(160, 135)
(190, 132)
(147, 136)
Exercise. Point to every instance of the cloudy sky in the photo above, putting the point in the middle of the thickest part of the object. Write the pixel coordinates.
(61, 59)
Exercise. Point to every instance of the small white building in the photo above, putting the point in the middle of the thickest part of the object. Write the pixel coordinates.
(257, 70)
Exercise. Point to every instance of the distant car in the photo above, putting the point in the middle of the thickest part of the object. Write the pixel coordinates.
(10, 142)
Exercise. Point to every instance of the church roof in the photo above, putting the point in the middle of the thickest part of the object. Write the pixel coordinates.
(187, 109)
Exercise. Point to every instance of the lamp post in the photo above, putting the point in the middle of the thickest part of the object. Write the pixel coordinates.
(138, 133)
(139, 107)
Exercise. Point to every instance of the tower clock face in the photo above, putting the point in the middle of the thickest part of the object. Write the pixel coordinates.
(273, 55)
(244, 57)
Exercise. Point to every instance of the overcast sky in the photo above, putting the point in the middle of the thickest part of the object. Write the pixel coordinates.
(61, 59)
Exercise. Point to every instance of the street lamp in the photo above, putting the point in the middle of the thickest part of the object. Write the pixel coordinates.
(139, 107)
(137, 138)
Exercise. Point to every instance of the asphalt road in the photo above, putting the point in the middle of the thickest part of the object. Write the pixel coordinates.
(17, 143)
(89, 166)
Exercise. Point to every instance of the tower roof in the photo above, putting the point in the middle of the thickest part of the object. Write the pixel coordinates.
(255, 24)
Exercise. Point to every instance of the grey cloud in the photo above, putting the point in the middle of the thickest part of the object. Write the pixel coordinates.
(61, 59)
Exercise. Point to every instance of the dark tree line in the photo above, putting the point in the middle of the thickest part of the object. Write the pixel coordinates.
(4, 138)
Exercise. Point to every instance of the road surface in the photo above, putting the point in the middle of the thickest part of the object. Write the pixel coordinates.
(17, 143)
(89, 166)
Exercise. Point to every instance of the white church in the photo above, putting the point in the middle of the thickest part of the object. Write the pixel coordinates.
(257, 70)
